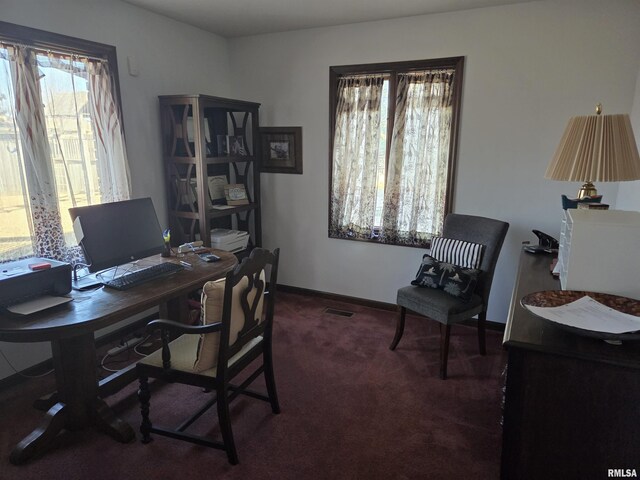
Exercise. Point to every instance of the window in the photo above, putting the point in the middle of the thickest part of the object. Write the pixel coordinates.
(393, 148)
(61, 139)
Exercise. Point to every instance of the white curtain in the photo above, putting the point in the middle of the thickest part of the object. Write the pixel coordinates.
(66, 149)
(416, 183)
(113, 166)
(356, 146)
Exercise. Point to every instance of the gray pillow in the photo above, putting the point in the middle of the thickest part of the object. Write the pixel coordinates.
(456, 281)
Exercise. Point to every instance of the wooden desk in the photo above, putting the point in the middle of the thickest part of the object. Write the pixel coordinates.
(70, 329)
(571, 403)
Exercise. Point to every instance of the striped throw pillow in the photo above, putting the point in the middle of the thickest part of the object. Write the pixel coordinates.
(457, 252)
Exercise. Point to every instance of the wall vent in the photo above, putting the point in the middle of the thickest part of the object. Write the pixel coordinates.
(341, 313)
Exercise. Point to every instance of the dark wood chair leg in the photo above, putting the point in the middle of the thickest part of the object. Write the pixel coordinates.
(402, 312)
(482, 342)
(225, 425)
(270, 380)
(445, 332)
(144, 396)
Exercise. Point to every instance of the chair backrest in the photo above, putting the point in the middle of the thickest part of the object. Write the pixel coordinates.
(488, 232)
(245, 290)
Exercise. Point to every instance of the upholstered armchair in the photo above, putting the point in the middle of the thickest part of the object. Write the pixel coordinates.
(439, 304)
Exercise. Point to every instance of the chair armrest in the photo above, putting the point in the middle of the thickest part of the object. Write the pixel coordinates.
(167, 326)
(181, 327)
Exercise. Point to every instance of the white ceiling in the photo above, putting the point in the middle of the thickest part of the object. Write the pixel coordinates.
(236, 18)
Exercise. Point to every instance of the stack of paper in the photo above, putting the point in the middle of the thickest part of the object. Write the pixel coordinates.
(229, 240)
(588, 314)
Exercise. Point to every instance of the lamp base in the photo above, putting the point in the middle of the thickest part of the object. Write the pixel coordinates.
(573, 202)
(588, 189)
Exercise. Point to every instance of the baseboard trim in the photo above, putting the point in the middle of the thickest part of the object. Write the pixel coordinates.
(491, 325)
(337, 298)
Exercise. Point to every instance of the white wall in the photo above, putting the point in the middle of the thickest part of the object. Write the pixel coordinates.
(629, 192)
(172, 58)
(529, 67)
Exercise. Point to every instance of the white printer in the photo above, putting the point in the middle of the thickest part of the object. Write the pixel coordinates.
(229, 240)
(599, 252)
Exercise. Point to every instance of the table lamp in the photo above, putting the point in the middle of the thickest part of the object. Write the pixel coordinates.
(598, 148)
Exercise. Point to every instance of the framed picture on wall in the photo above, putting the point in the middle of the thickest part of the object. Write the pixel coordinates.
(281, 149)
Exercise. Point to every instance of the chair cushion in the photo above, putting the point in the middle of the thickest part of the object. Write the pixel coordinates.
(457, 252)
(438, 305)
(183, 355)
(212, 301)
(457, 281)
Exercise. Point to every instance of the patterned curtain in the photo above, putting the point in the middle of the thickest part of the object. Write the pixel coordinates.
(62, 145)
(418, 162)
(356, 146)
(47, 236)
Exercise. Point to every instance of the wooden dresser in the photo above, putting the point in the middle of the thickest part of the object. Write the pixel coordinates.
(572, 403)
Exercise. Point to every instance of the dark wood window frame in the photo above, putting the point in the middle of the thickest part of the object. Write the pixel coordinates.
(44, 42)
(393, 69)
(58, 43)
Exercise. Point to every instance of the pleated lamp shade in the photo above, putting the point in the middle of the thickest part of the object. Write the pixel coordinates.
(598, 148)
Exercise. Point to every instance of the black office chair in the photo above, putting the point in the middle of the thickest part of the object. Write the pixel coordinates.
(234, 332)
(445, 308)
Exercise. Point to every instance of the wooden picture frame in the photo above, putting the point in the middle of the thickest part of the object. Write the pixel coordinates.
(281, 149)
(236, 194)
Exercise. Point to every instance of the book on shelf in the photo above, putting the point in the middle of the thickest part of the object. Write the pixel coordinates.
(222, 145)
(229, 240)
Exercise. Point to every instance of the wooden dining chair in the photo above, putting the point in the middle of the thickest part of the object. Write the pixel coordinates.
(236, 329)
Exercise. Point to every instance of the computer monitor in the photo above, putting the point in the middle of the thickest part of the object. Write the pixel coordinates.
(116, 233)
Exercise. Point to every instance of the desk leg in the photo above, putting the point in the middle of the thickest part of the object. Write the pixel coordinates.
(39, 440)
(79, 406)
(107, 422)
(46, 402)
(176, 309)
(74, 361)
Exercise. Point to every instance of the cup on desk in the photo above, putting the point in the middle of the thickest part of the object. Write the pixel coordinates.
(167, 250)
